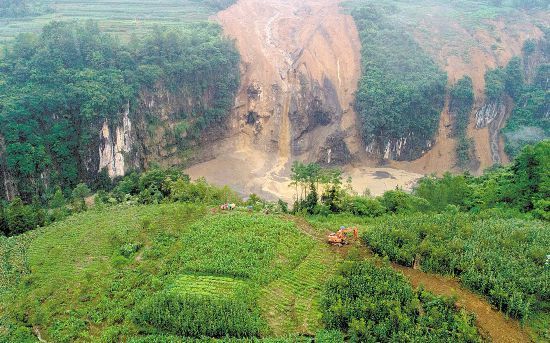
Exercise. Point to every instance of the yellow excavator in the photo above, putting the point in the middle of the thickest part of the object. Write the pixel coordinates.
(340, 238)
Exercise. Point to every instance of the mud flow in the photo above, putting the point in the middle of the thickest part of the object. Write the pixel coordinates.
(300, 68)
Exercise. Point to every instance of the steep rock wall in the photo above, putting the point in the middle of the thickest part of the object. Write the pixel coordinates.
(115, 144)
(8, 188)
(301, 64)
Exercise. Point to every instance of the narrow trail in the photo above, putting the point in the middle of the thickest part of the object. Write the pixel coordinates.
(38, 334)
(492, 324)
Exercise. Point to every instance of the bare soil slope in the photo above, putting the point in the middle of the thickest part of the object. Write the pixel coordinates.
(462, 45)
(300, 68)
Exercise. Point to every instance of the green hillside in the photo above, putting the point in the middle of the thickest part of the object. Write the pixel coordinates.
(81, 279)
(123, 17)
(156, 259)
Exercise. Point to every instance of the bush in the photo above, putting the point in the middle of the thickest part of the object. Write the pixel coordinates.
(398, 201)
(363, 206)
(329, 336)
(197, 316)
(498, 257)
(376, 304)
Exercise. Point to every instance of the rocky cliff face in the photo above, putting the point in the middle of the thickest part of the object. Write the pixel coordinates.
(470, 49)
(301, 64)
(115, 145)
(492, 115)
(8, 188)
(143, 133)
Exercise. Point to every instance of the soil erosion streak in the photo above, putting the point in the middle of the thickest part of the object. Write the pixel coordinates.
(300, 64)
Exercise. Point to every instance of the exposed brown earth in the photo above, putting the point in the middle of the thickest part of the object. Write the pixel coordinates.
(491, 323)
(300, 69)
(463, 48)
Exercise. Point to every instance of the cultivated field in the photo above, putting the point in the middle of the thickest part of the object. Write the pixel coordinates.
(123, 17)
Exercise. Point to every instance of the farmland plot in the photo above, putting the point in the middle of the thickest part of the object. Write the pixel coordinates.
(122, 17)
(132, 271)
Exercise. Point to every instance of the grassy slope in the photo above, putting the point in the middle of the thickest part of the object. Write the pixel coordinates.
(86, 274)
(115, 16)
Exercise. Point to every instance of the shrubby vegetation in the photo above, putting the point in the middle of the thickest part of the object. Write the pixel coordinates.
(460, 107)
(401, 90)
(320, 337)
(59, 87)
(152, 187)
(376, 304)
(529, 121)
(196, 316)
(502, 258)
(521, 187)
(217, 4)
(22, 8)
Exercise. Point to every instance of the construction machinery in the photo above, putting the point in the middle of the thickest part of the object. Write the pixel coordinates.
(340, 237)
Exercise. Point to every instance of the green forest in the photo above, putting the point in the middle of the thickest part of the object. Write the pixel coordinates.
(22, 8)
(401, 91)
(529, 121)
(460, 107)
(57, 88)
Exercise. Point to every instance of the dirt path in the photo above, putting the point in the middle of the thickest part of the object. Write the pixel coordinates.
(492, 324)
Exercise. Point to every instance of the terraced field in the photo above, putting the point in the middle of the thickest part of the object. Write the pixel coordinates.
(114, 274)
(106, 268)
(121, 17)
(208, 286)
(291, 303)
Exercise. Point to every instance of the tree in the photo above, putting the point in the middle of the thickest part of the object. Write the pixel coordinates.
(4, 229)
(59, 87)
(58, 199)
(79, 195)
(531, 180)
(20, 218)
(514, 81)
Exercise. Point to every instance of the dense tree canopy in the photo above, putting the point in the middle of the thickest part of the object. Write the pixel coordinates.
(56, 89)
(401, 90)
(460, 107)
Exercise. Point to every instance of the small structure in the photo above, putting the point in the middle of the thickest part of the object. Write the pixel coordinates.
(340, 238)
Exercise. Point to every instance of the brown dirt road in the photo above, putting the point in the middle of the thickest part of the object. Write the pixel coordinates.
(491, 323)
